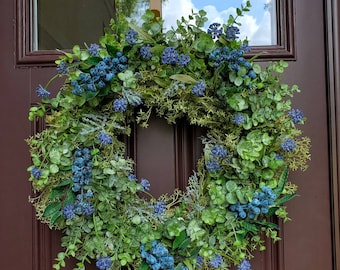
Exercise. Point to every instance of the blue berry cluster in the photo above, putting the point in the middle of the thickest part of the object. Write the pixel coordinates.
(132, 177)
(288, 145)
(199, 261)
(279, 157)
(82, 169)
(93, 49)
(82, 173)
(158, 257)
(219, 56)
(145, 184)
(62, 68)
(104, 263)
(159, 207)
(104, 138)
(245, 47)
(36, 172)
(171, 57)
(199, 88)
(70, 211)
(120, 105)
(244, 265)
(131, 36)
(42, 92)
(100, 74)
(145, 52)
(234, 58)
(215, 30)
(213, 166)
(239, 118)
(217, 152)
(232, 32)
(259, 204)
(216, 262)
(296, 115)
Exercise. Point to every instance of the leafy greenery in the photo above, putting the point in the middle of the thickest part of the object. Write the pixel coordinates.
(86, 186)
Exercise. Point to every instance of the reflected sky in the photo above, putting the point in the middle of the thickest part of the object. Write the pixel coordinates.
(258, 26)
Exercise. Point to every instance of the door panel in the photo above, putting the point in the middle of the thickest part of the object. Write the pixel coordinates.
(166, 155)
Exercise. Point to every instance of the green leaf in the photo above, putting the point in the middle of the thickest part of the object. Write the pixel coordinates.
(240, 196)
(51, 209)
(242, 72)
(69, 197)
(92, 61)
(282, 181)
(257, 68)
(179, 239)
(271, 211)
(84, 55)
(76, 50)
(239, 12)
(267, 174)
(55, 156)
(285, 199)
(104, 91)
(183, 78)
(111, 50)
(237, 102)
(231, 186)
(231, 198)
(142, 34)
(238, 81)
(283, 64)
(161, 82)
(270, 225)
(56, 193)
(54, 168)
(232, 76)
(64, 183)
(90, 95)
(204, 43)
(155, 28)
(55, 218)
(202, 12)
(144, 266)
(182, 247)
(250, 227)
(194, 252)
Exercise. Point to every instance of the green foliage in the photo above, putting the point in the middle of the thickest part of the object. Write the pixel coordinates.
(244, 108)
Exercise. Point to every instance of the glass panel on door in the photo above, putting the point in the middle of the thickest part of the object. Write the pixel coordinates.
(63, 23)
(259, 25)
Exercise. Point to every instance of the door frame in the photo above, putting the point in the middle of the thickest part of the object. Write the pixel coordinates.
(332, 38)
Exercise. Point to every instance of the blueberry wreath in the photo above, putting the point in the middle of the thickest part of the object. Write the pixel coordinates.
(86, 186)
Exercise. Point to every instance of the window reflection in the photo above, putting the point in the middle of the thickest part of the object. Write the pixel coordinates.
(61, 24)
(258, 26)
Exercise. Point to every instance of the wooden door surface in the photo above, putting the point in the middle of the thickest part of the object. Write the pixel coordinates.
(169, 152)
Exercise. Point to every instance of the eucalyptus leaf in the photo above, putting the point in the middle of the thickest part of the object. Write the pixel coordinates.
(231, 198)
(183, 78)
(231, 186)
(54, 168)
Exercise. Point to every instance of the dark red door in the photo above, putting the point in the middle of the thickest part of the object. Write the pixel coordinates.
(307, 240)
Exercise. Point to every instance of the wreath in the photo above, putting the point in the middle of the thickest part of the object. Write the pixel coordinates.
(85, 185)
